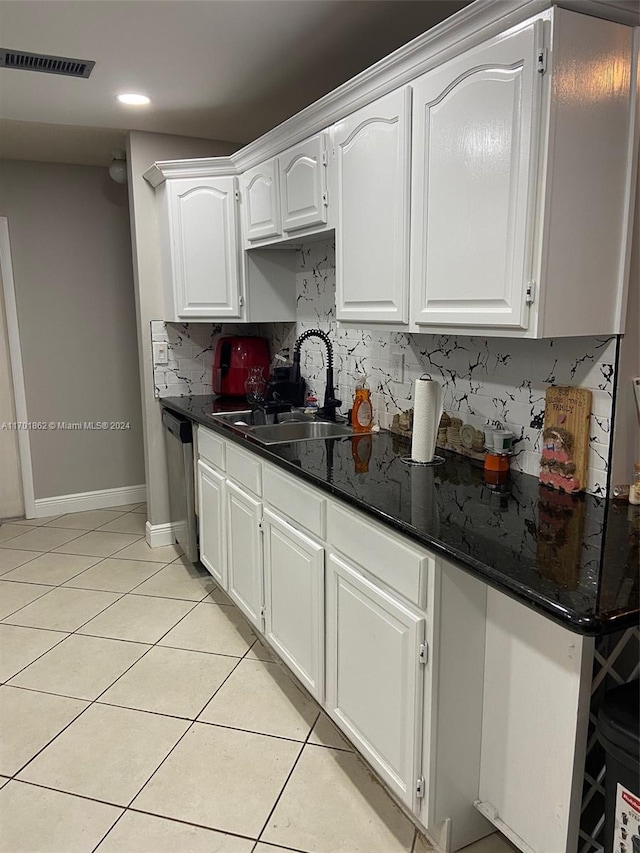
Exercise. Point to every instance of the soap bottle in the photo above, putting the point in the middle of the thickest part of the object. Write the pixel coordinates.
(362, 411)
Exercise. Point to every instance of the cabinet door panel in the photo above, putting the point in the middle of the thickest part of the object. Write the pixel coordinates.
(372, 155)
(244, 552)
(303, 184)
(211, 519)
(374, 677)
(204, 246)
(534, 725)
(294, 599)
(261, 202)
(473, 171)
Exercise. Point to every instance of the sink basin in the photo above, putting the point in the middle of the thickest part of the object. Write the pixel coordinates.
(291, 427)
(300, 431)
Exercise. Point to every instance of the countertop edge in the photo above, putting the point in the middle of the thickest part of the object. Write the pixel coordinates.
(588, 626)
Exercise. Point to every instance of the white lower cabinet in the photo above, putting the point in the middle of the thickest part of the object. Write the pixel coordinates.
(467, 704)
(537, 682)
(211, 518)
(294, 600)
(375, 674)
(244, 552)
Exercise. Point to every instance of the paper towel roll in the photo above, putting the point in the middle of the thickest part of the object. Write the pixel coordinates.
(427, 411)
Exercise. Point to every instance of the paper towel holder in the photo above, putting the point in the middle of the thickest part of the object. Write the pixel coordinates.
(437, 460)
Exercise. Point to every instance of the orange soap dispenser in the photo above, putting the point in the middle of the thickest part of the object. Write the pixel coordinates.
(362, 411)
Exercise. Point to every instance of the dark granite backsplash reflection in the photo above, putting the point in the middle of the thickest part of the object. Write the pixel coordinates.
(573, 558)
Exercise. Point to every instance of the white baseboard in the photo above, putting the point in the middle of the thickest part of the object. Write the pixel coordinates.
(84, 501)
(159, 534)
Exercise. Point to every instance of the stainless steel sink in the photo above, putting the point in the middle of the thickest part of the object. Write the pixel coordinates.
(302, 431)
(291, 427)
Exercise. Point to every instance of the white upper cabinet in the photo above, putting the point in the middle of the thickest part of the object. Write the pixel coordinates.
(303, 184)
(261, 202)
(473, 139)
(201, 251)
(371, 157)
(521, 182)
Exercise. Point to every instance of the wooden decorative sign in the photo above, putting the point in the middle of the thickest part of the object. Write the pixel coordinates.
(565, 438)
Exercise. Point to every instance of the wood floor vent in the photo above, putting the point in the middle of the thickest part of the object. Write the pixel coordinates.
(20, 60)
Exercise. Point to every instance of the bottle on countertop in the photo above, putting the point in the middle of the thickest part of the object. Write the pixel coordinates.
(362, 411)
(311, 405)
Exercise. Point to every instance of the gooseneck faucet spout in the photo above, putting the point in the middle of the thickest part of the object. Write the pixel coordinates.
(330, 404)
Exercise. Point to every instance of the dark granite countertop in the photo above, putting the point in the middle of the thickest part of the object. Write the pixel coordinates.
(573, 559)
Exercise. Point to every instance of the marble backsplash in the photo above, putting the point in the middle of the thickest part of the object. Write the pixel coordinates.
(190, 348)
(485, 380)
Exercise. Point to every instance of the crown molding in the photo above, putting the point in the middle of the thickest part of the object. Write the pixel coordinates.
(202, 167)
(467, 28)
(462, 31)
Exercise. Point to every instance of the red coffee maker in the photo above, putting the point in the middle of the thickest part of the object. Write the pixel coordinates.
(232, 360)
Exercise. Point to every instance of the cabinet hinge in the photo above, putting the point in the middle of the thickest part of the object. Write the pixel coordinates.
(325, 199)
(241, 301)
(263, 611)
(324, 158)
(236, 194)
(530, 292)
(542, 60)
(261, 524)
(420, 787)
(423, 653)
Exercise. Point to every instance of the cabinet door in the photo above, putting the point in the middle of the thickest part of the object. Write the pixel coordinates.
(534, 726)
(475, 120)
(211, 519)
(261, 202)
(302, 171)
(204, 248)
(244, 552)
(294, 600)
(372, 160)
(374, 674)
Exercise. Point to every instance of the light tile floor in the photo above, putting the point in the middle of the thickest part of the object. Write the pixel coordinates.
(140, 714)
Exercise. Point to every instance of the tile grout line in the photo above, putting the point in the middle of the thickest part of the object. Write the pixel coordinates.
(192, 722)
(188, 729)
(286, 781)
(62, 586)
(92, 702)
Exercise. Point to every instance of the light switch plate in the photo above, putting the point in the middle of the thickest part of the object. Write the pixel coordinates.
(160, 352)
(397, 366)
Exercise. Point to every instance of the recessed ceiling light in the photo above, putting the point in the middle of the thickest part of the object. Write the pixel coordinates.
(133, 100)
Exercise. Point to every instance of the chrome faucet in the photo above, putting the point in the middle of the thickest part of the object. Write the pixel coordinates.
(330, 404)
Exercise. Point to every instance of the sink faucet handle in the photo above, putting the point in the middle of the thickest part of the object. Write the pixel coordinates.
(328, 410)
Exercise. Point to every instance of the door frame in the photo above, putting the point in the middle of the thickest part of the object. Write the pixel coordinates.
(17, 372)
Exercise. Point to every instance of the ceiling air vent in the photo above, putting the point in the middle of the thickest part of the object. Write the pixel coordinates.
(23, 61)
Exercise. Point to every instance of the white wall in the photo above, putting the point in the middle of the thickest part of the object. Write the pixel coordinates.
(144, 149)
(11, 499)
(71, 250)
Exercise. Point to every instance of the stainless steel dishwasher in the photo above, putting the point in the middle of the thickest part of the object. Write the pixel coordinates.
(178, 435)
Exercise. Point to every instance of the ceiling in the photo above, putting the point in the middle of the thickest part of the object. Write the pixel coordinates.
(216, 69)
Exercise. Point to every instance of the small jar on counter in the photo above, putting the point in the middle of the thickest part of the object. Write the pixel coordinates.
(496, 469)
